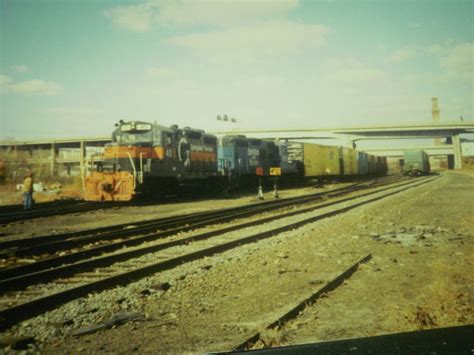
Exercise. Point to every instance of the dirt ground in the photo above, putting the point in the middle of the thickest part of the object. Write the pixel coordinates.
(420, 277)
(9, 195)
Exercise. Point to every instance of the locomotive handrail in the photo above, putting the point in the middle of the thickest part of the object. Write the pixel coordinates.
(134, 170)
(141, 169)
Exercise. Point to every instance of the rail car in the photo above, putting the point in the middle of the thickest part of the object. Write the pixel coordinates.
(239, 157)
(416, 163)
(152, 160)
(145, 158)
(321, 161)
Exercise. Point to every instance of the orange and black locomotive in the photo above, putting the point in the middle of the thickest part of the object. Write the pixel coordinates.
(151, 159)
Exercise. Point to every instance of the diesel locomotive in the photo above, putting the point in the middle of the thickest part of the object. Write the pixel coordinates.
(152, 160)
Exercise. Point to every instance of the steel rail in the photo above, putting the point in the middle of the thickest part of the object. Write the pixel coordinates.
(31, 246)
(48, 211)
(18, 313)
(9, 244)
(19, 207)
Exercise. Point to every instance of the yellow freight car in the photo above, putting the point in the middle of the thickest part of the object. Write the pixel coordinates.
(350, 161)
(320, 160)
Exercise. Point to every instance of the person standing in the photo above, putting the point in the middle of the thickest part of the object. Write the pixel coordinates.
(28, 191)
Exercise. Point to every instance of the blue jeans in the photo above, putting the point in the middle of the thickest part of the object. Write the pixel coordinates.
(27, 200)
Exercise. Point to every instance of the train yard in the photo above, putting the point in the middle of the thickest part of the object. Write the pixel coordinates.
(233, 177)
(239, 275)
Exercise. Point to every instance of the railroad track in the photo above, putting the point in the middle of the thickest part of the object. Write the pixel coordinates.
(43, 247)
(295, 310)
(9, 214)
(75, 280)
(14, 213)
(19, 208)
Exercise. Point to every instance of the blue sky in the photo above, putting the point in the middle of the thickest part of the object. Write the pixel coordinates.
(74, 68)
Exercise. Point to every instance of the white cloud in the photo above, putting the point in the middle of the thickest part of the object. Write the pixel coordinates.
(248, 43)
(402, 55)
(138, 18)
(434, 49)
(5, 79)
(458, 61)
(352, 72)
(20, 68)
(223, 13)
(4, 82)
(35, 87)
(161, 72)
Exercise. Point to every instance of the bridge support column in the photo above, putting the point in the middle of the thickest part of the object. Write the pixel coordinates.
(53, 159)
(457, 152)
(351, 142)
(82, 158)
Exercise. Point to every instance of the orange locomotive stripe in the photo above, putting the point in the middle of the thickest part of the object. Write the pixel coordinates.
(158, 152)
(123, 151)
(203, 156)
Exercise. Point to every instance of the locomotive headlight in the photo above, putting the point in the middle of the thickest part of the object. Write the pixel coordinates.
(143, 127)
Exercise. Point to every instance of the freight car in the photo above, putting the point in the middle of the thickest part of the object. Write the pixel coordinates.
(321, 161)
(317, 160)
(363, 162)
(348, 161)
(415, 163)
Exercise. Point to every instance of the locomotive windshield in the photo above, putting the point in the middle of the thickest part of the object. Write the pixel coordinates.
(133, 132)
(134, 137)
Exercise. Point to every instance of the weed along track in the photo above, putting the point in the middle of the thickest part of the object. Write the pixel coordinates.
(50, 288)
